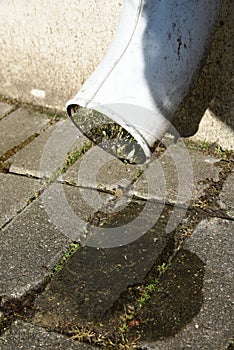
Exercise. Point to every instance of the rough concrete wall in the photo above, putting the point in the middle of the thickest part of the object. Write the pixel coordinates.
(52, 46)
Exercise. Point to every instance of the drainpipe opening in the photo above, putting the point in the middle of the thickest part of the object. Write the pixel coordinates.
(118, 138)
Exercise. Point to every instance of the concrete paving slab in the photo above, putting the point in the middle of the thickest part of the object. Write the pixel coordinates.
(70, 208)
(20, 125)
(177, 176)
(83, 292)
(15, 192)
(30, 247)
(211, 327)
(212, 129)
(4, 108)
(48, 151)
(99, 169)
(93, 278)
(227, 196)
(24, 336)
(31, 244)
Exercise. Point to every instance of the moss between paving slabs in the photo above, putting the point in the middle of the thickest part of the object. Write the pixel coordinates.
(71, 158)
(209, 148)
(73, 248)
(54, 114)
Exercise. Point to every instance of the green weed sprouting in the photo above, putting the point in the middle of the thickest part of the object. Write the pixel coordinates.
(152, 287)
(71, 158)
(73, 248)
(220, 152)
(76, 154)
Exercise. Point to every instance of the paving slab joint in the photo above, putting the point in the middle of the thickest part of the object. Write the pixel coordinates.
(71, 158)
(13, 308)
(17, 148)
(30, 200)
(51, 112)
(13, 109)
(208, 202)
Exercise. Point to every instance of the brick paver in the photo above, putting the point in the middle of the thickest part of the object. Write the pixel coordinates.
(19, 126)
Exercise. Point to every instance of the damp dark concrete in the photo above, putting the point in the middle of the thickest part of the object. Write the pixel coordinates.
(194, 306)
(93, 279)
(177, 301)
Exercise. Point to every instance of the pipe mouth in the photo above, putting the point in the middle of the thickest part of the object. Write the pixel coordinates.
(123, 142)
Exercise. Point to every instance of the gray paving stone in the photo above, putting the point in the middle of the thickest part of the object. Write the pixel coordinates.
(18, 126)
(47, 152)
(177, 176)
(4, 108)
(70, 208)
(93, 279)
(24, 336)
(15, 191)
(227, 195)
(212, 327)
(215, 130)
(31, 244)
(30, 247)
(99, 169)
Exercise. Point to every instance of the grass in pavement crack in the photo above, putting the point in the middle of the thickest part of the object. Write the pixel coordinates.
(210, 148)
(145, 293)
(71, 158)
(102, 339)
(73, 248)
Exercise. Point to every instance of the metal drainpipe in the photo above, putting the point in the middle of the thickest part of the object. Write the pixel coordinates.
(156, 54)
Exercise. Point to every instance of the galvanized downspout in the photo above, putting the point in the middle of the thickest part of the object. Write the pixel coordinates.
(155, 56)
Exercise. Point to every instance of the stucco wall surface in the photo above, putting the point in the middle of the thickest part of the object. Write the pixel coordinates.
(52, 46)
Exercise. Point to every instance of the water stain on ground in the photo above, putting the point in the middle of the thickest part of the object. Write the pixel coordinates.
(93, 278)
(177, 301)
(96, 284)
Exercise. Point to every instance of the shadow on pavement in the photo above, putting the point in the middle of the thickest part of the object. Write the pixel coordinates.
(177, 301)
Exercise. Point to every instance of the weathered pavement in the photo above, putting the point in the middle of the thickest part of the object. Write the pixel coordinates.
(96, 253)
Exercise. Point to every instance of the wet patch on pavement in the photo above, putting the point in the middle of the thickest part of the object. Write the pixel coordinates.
(177, 300)
(91, 281)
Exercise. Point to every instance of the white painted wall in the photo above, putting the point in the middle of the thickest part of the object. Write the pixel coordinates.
(52, 46)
